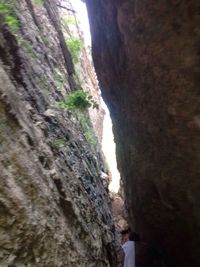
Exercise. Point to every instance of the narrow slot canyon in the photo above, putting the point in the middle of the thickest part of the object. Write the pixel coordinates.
(62, 203)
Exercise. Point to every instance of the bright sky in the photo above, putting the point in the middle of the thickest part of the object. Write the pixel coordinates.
(82, 16)
(108, 145)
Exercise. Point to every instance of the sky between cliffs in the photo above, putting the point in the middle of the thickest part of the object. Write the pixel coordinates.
(108, 144)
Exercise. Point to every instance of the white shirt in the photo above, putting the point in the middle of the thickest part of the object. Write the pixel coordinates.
(129, 250)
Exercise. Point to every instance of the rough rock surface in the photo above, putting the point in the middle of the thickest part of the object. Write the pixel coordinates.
(84, 68)
(146, 55)
(54, 209)
(119, 212)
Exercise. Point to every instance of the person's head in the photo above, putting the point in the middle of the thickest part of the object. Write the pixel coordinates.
(133, 236)
(125, 235)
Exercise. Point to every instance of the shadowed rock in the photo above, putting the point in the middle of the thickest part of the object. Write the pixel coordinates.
(146, 55)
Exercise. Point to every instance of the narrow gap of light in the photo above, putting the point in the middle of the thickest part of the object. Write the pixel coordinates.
(108, 144)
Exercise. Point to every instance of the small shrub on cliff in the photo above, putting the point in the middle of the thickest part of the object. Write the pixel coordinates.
(75, 45)
(69, 20)
(78, 100)
(59, 142)
(7, 11)
(58, 79)
(26, 46)
(90, 137)
(38, 2)
(86, 127)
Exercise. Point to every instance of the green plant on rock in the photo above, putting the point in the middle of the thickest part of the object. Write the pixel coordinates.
(58, 79)
(7, 11)
(78, 77)
(26, 46)
(69, 20)
(75, 45)
(38, 2)
(59, 83)
(90, 137)
(59, 142)
(78, 100)
(44, 39)
(12, 22)
(87, 128)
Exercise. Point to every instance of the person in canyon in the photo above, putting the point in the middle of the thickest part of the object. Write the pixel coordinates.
(128, 246)
(138, 253)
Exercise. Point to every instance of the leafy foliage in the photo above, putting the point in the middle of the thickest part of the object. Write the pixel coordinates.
(12, 22)
(69, 20)
(87, 128)
(4, 7)
(58, 79)
(26, 46)
(90, 137)
(59, 142)
(75, 45)
(7, 11)
(78, 100)
(38, 2)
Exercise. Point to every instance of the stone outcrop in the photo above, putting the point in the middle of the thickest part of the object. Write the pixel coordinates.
(146, 55)
(54, 208)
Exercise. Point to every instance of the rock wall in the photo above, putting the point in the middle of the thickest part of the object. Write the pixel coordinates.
(84, 69)
(119, 212)
(54, 208)
(146, 55)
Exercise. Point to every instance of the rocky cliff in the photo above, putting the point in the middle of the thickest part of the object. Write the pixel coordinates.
(54, 207)
(81, 56)
(146, 55)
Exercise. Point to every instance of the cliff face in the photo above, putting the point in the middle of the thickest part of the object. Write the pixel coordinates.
(54, 209)
(146, 56)
(84, 70)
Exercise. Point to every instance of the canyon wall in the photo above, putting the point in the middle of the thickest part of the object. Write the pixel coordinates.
(146, 55)
(54, 205)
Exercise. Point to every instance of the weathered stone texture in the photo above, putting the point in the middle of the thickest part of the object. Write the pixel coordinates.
(119, 212)
(54, 209)
(146, 55)
(84, 69)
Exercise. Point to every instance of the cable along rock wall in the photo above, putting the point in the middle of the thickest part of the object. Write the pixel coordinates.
(146, 55)
(54, 207)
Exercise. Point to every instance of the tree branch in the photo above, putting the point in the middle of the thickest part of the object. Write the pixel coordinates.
(68, 9)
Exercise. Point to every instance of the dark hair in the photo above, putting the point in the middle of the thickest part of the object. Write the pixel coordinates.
(124, 232)
(133, 236)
